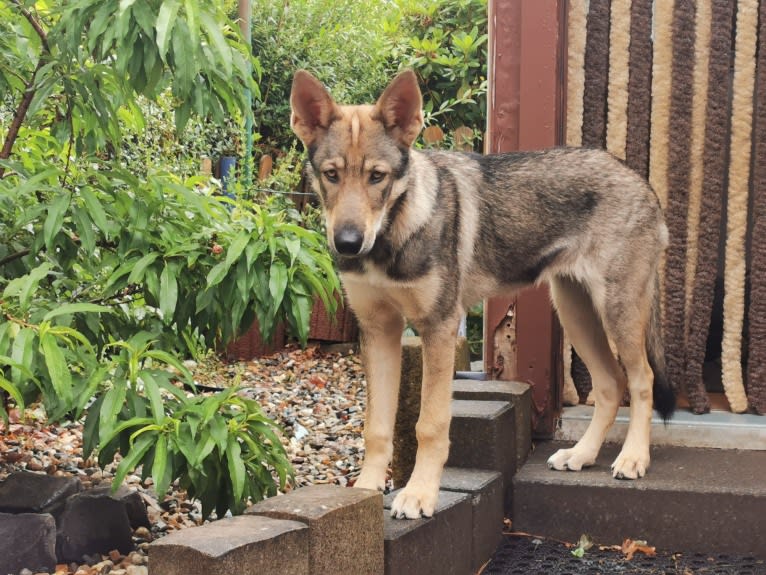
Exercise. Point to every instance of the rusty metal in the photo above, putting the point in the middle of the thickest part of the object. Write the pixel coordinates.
(504, 360)
(526, 107)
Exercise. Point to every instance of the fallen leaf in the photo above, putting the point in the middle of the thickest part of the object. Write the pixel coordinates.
(318, 381)
(631, 547)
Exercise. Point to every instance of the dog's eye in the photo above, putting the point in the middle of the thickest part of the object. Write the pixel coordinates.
(376, 177)
(331, 175)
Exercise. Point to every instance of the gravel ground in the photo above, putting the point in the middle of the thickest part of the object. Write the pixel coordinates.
(316, 397)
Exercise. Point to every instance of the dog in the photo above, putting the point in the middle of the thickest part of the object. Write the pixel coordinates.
(422, 235)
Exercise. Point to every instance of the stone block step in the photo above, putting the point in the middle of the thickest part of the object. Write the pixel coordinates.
(518, 394)
(692, 499)
(487, 498)
(246, 545)
(345, 526)
(438, 545)
(482, 436)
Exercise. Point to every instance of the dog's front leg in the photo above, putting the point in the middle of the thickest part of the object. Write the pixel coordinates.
(422, 490)
(381, 329)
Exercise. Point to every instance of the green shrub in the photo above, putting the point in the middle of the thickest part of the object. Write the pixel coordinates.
(111, 263)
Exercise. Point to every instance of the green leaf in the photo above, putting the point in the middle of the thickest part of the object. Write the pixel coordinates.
(153, 392)
(165, 357)
(236, 248)
(71, 308)
(168, 293)
(160, 466)
(277, 283)
(22, 352)
(110, 408)
(293, 248)
(24, 286)
(84, 229)
(166, 20)
(213, 30)
(217, 273)
(95, 210)
(137, 273)
(61, 377)
(219, 432)
(14, 392)
(236, 466)
(133, 458)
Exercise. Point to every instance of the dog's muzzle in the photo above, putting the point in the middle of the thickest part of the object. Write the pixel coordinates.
(348, 241)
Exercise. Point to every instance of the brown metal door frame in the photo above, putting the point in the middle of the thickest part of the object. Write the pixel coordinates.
(522, 337)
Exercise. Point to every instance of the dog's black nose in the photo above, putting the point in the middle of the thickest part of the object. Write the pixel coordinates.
(348, 241)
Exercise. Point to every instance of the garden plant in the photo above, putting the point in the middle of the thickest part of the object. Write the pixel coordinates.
(119, 259)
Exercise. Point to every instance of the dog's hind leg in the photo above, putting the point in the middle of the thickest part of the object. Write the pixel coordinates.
(381, 329)
(584, 327)
(421, 492)
(627, 321)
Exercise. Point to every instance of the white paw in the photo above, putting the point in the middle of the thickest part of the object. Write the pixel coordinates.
(415, 501)
(570, 460)
(630, 464)
(369, 479)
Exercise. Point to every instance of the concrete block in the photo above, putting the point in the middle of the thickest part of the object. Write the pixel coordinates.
(487, 497)
(27, 540)
(438, 545)
(25, 492)
(405, 441)
(518, 394)
(699, 500)
(482, 436)
(245, 545)
(346, 527)
(462, 355)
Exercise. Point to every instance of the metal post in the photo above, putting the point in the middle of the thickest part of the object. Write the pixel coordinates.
(245, 26)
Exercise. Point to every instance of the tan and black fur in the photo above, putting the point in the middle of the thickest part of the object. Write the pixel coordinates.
(422, 235)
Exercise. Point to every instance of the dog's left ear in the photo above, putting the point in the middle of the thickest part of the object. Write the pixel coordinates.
(400, 108)
(313, 109)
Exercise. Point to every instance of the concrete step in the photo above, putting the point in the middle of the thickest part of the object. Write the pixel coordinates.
(692, 499)
(718, 429)
(438, 545)
(482, 436)
(518, 394)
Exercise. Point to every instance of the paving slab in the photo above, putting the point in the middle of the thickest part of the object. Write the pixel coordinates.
(245, 545)
(438, 545)
(692, 499)
(345, 526)
(486, 491)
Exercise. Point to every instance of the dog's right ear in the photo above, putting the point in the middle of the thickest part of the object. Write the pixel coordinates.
(313, 108)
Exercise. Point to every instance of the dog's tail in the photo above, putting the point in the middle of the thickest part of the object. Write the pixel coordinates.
(663, 391)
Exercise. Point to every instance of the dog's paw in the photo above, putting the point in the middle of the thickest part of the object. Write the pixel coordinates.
(630, 465)
(415, 501)
(369, 479)
(570, 460)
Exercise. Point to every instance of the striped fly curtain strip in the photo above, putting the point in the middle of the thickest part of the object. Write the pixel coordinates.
(677, 89)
